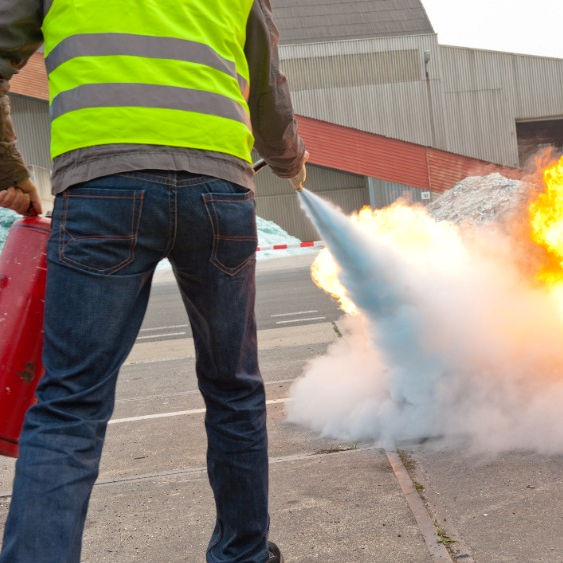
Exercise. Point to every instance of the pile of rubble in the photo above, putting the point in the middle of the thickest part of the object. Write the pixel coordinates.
(480, 199)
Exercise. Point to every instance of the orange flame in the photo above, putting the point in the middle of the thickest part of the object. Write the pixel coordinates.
(546, 222)
(408, 228)
(325, 273)
(424, 241)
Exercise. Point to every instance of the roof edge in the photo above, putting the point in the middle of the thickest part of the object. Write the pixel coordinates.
(497, 52)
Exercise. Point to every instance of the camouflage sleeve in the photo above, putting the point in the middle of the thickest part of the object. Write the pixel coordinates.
(12, 167)
(20, 37)
(271, 110)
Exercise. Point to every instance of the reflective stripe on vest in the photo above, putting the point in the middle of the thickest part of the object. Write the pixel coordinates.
(171, 73)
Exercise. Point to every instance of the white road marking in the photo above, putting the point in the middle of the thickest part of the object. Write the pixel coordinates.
(164, 328)
(182, 348)
(153, 416)
(300, 320)
(296, 313)
(185, 393)
(161, 335)
(179, 413)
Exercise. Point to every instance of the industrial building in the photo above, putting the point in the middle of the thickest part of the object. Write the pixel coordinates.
(384, 109)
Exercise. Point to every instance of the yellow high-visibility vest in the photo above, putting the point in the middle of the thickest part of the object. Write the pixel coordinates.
(158, 72)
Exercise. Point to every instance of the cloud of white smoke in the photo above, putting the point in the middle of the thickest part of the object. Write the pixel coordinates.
(454, 338)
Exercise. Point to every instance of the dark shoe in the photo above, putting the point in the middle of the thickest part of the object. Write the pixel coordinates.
(274, 553)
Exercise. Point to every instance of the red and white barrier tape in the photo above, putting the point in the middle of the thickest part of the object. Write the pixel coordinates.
(309, 244)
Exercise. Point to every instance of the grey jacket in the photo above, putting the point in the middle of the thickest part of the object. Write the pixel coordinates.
(272, 117)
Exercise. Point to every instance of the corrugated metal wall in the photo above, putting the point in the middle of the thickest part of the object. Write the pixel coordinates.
(456, 99)
(405, 88)
(375, 85)
(335, 146)
(382, 193)
(486, 92)
(42, 179)
(276, 199)
(32, 79)
(31, 122)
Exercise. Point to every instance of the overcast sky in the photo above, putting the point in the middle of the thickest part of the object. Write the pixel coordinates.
(533, 27)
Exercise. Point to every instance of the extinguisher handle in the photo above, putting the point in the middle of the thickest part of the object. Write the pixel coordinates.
(258, 165)
(31, 211)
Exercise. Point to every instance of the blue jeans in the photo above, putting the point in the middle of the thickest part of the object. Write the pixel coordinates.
(107, 237)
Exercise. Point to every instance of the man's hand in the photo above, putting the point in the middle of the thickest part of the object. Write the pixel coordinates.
(299, 180)
(22, 198)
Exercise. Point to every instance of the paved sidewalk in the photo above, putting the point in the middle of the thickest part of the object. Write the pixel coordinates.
(330, 501)
(324, 507)
(506, 508)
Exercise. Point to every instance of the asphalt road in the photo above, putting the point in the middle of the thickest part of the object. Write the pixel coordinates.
(284, 297)
(152, 502)
(331, 500)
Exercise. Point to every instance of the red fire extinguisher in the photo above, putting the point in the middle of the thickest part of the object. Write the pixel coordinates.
(23, 266)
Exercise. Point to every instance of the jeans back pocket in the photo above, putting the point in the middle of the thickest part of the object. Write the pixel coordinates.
(98, 228)
(233, 220)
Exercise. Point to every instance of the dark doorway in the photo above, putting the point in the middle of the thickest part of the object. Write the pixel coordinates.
(537, 135)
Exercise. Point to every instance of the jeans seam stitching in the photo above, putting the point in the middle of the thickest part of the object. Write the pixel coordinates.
(135, 223)
(211, 219)
(230, 271)
(225, 200)
(89, 196)
(165, 180)
(175, 218)
(147, 178)
(110, 270)
(61, 226)
(136, 218)
(169, 245)
(217, 237)
(188, 184)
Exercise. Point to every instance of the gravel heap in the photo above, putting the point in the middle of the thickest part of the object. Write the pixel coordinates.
(479, 199)
(7, 217)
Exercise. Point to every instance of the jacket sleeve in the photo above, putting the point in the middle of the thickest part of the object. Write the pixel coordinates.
(20, 37)
(271, 111)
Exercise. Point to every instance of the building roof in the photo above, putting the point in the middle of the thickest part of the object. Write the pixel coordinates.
(299, 21)
(312, 21)
(32, 79)
(369, 154)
